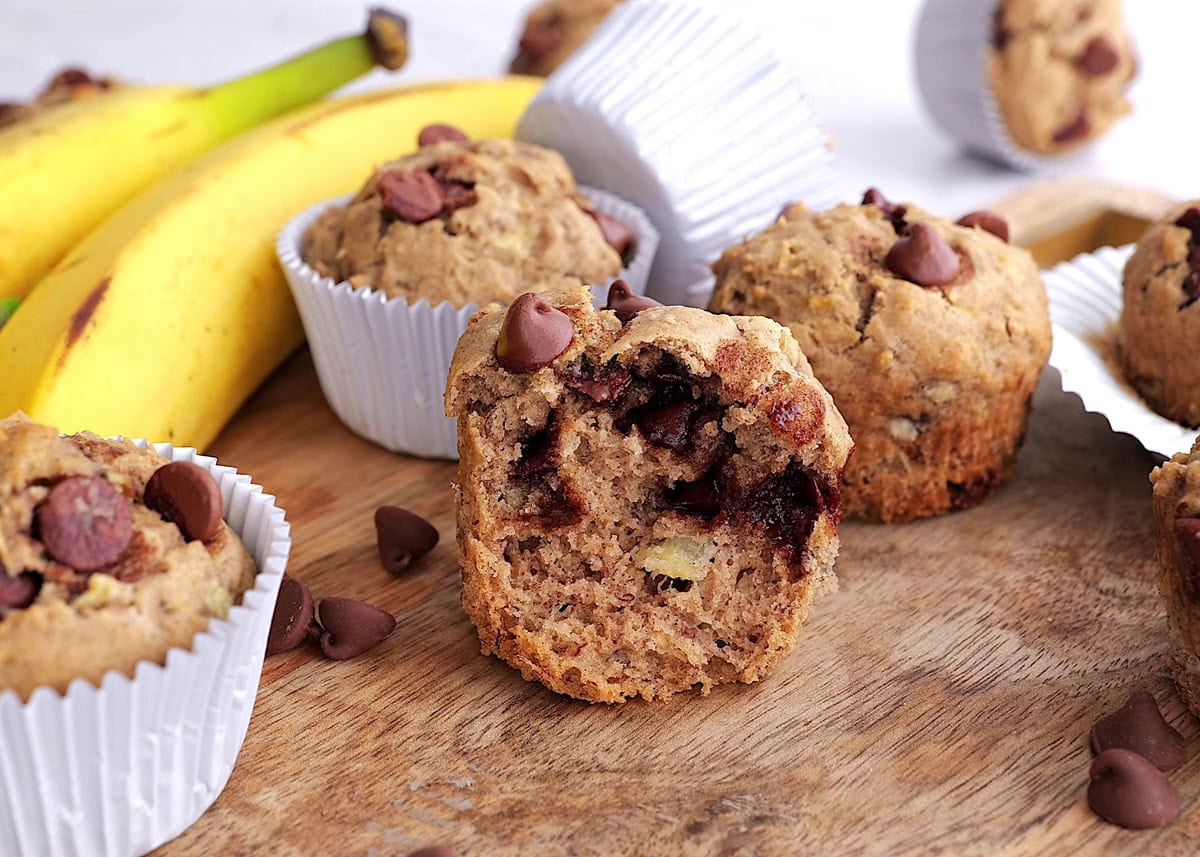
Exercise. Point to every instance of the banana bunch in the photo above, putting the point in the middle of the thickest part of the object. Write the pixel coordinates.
(165, 318)
(66, 168)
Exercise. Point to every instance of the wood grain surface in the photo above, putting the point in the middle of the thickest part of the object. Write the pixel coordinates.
(939, 703)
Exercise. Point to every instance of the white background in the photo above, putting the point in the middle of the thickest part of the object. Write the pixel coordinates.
(854, 57)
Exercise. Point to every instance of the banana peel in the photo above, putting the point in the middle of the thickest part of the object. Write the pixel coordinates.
(164, 320)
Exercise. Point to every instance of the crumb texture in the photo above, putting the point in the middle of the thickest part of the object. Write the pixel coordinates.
(653, 511)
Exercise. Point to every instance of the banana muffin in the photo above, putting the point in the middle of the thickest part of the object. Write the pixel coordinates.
(466, 222)
(1177, 529)
(109, 555)
(930, 336)
(648, 497)
(1059, 71)
(1160, 319)
(554, 30)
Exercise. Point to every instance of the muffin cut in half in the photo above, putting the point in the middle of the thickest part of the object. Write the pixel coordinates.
(648, 497)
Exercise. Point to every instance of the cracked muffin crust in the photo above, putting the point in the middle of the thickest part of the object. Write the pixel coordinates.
(464, 222)
(554, 30)
(1177, 531)
(934, 380)
(1160, 318)
(645, 506)
(91, 578)
(1059, 70)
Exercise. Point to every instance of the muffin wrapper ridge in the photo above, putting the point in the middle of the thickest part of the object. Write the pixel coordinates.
(1085, 306)
(120, 769)
(687, 112)
(382, 362)
(953, 39)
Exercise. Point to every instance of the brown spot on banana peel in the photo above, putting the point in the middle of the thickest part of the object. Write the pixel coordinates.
(387, 33)
(83, 315)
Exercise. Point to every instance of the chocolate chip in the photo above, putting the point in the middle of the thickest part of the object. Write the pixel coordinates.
(85, 523)
(702, 497)
(1139, 726)
(17, 593)
(414, 197)
(786, 505)
(922, 256)
(1129, 791)
(540, 39)
(1078, 129)
(456, 194)
(602, 385)
(966, 495)
(71, 78)
(1187, 530)
(533, 334)
(894, 213)
(623, 302)
(187, 495)
(1099, 57)
(988, 221)
(1190, 220)
(293, 620)
(351, 627)
(434, 851)
(667, 426)
(439, 133)
(619, 236)
(402, 537)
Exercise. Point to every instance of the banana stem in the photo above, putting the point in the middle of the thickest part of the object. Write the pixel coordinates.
(247, 101)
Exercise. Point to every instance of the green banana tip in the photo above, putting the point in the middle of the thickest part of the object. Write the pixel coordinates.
(387, 33)
(7, 307)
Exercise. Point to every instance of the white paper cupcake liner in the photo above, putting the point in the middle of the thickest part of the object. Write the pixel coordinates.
(120, 769)
(1085, 306)
(686, 111)
(953, 40)
(383, 363)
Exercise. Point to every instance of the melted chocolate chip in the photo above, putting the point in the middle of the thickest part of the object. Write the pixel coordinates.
(667, 426)
(1077, 130)
(438, 133)
(702, 497)
(787, 506)
(966, 495)
(600, 385)
(540, 39)
(402, 537)
(922, 256)
(1139, 726)
(85, 523)
(17, 593)
(187, 495)
(351, 627)
(413, 196)
(294, 619)
(548, 499)
(894, 213)
(619, 236)
(456, 194)
(988, 221)
(533, 334)
(1127, 790)
(662, 582)
(1099, 58)
(623, 302)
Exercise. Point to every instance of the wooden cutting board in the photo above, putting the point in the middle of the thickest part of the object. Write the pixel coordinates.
(938, 703)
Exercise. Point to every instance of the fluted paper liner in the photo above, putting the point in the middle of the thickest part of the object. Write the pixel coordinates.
(383, 363)
(1085, 306)
(953, 40)
(120, 769)
(686, 111)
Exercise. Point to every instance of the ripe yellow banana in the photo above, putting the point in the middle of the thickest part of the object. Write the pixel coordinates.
(162, 321)
(64, 170)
